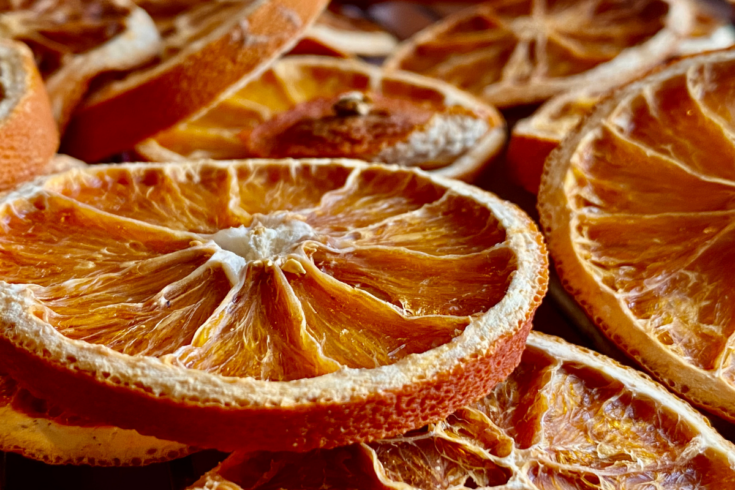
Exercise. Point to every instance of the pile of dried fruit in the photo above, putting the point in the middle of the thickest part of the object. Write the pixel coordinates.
(300, 277)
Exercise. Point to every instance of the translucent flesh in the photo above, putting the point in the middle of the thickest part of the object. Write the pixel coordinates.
(553, 424)
(130, 258)
(285, 91)
(512, 41)
(653, 192)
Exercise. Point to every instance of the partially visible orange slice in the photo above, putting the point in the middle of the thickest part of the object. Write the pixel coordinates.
(522, 52)
(567, 418)
(326, 107)
(337, 34)
(533, 138)
(74, 42)
(637, 204)
(28, 135)
(208, 49)
(281, 305)
(31, 427)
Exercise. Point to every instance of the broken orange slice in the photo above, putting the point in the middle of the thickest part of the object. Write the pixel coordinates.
(567, 418)
(637, 204)
(280, 305)
(521, 52)
(208, 49)
(324, 107)
(31, 427)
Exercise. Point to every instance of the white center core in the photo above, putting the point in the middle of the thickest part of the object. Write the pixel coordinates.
(268, 237)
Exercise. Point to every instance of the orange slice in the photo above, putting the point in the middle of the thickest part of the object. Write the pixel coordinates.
(337, 34)
(209, 48)
(74, 42)
(31, 427)
(567, 418)
(326, 107)
(277, 305)
(533, 138)
(28, 136)
(637, 206)
(521, 52)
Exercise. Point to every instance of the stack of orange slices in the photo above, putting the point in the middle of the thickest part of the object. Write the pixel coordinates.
(300, 277)
(565, 419)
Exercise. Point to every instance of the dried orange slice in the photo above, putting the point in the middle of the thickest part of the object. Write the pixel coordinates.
(208, 49)
(324, 107)
(31, 427)
(281, 305)
(521, 52)
(28, 136)
(533, 138)
(637, 206)
(337, 34)
(74, 42)
(567, 418)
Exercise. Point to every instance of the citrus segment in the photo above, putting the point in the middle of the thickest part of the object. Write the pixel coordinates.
(323, 107)
(448, 286)
(260, 334)
(641, 223)
(188, 76)
(177, 199)
(566, 418)
(512, 53)
(271, 188)
(474, 227)
(279, 324)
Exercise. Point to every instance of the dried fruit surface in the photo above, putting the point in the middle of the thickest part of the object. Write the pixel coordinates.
(321, 107)
(564, 419)
(56, 30)
(503, 47)
(274, 271)
(648, 190)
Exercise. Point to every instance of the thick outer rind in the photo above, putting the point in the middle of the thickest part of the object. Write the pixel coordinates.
(322, 425)
(117, 122)
(28, 135)
(351, 405)
(604, 308)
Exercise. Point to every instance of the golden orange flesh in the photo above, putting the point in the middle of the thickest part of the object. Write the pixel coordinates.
(320, 266)
(565, 419)
(507, 44)
(57, 29)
